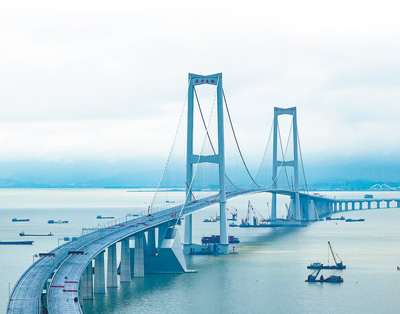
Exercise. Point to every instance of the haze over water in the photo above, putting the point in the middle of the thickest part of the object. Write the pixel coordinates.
(266, 276)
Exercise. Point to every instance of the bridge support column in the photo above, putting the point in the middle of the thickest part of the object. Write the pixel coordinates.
(369, 205)
(151, 242)
(361, 205)
(125, 270)
(378, 204)
(87, 283)
(346, 206)
(99, 276)
(388, 204)
(187, 241)
(341, 206)
(112, 281)
(335, 208)
(162, 231)
(138, 266)
(398, 204)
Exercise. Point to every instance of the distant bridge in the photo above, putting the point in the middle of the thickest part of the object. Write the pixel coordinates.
(56, 283)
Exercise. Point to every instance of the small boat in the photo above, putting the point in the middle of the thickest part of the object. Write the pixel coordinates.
(338, 265)
(23, 234)
(104, 217)
(210, 220)
(18, 220)
(214, 239)
(232, 224)
(332, 279)
(16, 242)
(354, 220)
(51, 221)
(335, 218)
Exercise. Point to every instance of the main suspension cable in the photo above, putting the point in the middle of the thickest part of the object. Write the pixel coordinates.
(237, 143)
(302, 165)
(208, 135)
(170, 152)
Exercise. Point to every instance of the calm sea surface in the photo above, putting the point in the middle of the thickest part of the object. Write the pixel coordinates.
(267, 276)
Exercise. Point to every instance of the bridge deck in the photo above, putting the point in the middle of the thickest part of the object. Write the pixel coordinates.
(25, 297)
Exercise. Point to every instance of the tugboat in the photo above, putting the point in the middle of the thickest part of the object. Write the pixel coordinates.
(332, 279)
(339, 265)
(215, 239)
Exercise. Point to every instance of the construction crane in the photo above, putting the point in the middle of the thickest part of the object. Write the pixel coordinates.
(340, 264)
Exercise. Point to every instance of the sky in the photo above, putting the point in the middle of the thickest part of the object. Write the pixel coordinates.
(96, 88)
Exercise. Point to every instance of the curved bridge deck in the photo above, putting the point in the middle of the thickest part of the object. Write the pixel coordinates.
(26, 295)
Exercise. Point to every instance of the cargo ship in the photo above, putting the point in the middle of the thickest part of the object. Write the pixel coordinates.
(335, 218)
(23, 234)
(16, 242)
(18, 220)
(51, 221)
(354, 220)
(105, 217)
(215, 239)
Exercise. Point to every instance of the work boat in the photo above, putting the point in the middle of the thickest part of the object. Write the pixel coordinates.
(338, 265)
(314, 278)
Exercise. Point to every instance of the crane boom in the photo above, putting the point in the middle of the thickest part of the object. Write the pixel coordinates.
(330, 246)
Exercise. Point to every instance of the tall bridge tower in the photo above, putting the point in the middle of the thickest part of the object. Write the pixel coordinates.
(218, 158)
(286, 163)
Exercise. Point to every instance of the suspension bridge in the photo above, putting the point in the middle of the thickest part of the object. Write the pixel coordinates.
(60, 279)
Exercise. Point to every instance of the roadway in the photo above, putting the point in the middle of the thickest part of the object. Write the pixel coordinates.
(26, 295)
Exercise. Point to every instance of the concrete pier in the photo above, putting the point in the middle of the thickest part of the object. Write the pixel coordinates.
(99, 275)
(151, 242)
(125, 270)
(87, 283)
(138, 269)
(112, 281)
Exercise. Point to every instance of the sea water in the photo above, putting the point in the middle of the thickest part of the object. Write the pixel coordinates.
(266, 276)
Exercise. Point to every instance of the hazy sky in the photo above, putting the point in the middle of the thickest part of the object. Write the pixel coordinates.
(106, 80)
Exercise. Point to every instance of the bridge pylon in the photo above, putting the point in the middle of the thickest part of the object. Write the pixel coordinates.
(218, 158)
(295, 204)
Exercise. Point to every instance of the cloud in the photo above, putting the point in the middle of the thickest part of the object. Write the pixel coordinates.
(99, 80)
